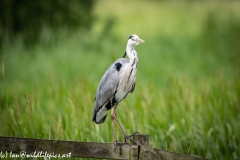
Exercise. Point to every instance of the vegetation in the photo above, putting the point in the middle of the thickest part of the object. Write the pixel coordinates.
(30, 18)
(188, 82)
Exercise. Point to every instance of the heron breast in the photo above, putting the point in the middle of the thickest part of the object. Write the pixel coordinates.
(120, 95)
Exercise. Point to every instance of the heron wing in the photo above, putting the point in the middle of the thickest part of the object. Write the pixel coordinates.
(108, 84)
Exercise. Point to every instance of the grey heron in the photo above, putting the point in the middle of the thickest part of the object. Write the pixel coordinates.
(117, 82)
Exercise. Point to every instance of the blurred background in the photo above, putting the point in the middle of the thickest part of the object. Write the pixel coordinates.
(187, 97)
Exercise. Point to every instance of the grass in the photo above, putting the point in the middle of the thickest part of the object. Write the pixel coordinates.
(188, 83)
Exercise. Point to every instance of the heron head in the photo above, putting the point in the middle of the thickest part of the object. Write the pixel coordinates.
(134, 40)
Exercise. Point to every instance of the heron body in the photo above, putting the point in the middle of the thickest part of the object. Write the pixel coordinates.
(117, 82)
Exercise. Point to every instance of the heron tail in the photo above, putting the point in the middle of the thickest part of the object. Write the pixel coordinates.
(95, 118)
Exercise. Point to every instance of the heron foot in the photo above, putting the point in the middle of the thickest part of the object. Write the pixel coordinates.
(129, 138)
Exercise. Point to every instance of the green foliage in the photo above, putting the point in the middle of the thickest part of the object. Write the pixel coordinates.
(218, 33)
(31, 18)
(187, 94)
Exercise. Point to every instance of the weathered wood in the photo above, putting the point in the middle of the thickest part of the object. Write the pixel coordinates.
(142, 151)
(141, 139)
(134, 153)
(77, 149)
(155, 153)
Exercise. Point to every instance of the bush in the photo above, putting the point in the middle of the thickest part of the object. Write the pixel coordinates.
(28, 17)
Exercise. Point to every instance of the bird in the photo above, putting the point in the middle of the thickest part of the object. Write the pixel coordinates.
(117, 82)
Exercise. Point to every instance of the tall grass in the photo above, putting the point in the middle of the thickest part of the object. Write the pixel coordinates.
(186, 98)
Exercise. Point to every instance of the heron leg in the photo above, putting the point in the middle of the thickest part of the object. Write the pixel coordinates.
(120, 126)
(114, 130)
(126, 138)
(113, 116)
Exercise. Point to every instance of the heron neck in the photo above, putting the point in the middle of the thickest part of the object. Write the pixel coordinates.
(132, 54)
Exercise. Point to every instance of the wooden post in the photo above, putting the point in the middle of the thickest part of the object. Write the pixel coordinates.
(141, 139)
(58, 148)
(32, 146)
(134, 154)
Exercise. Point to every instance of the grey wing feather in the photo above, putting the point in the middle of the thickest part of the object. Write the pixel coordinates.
(108, 85)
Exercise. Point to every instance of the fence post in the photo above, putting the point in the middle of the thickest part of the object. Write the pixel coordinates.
(142, 142)
(141, 139)
(134, 155)
(140, 151)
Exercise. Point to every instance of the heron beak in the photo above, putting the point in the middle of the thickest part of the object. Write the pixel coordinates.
(140, 41)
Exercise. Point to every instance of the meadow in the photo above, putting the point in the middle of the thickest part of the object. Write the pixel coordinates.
(187, 96)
